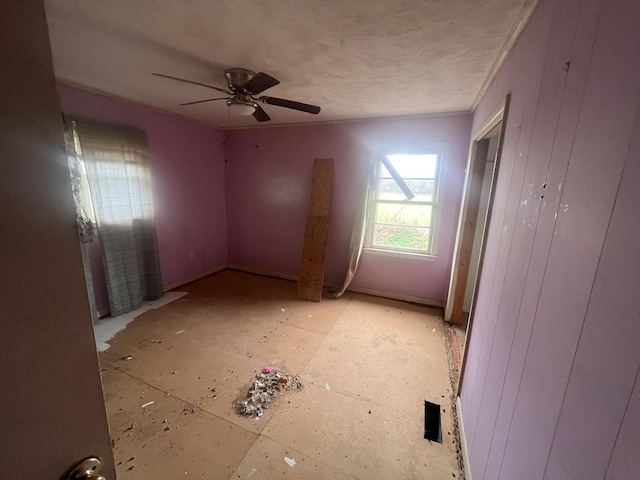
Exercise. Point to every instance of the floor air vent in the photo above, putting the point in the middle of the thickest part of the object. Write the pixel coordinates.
(432, 428)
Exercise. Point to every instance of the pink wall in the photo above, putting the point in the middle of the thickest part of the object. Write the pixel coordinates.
(187, 172)
(268, 180)
(551, 386)
(53, 412)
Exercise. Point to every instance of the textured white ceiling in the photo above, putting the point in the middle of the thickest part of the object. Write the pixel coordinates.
(356, 59)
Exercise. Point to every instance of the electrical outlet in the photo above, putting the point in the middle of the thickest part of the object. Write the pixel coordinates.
(192, 254)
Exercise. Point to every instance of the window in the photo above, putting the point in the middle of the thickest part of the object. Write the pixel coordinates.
(110, 164)
(403, 209)
(114, 161)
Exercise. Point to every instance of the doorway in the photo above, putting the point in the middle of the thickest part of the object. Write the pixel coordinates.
(473, 225)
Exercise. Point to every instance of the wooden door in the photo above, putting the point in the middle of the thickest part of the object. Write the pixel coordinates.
(52, 411)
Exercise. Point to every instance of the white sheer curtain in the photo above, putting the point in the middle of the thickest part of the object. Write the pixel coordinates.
(118, 173)
(358, 236)
(84, 213)
(355, 246)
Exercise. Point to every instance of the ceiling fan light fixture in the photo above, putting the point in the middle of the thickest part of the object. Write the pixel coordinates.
(242, 109)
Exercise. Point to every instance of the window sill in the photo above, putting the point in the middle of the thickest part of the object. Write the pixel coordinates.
(395, 253)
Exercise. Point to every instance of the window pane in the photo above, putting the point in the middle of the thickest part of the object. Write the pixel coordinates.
(415, 238)
(411, 166)
(403, 213)
(388, 189)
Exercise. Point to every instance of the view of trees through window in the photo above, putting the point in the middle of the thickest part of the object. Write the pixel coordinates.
(398, 223)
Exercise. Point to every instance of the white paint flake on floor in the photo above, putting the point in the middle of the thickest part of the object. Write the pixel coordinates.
(108, 327)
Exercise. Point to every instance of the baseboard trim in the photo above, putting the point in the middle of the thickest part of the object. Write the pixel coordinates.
(193, 278)
(397, 296)
(463, 441)
(294, 278)
(264, 273)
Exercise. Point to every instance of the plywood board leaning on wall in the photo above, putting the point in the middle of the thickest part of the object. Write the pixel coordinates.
(316, 232)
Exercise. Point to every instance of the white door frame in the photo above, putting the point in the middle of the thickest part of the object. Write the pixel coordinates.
(462, 251)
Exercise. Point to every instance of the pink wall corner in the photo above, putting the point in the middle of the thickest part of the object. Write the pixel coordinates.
(552, 361)
(187, 172)
(269, 175)
(268, 178)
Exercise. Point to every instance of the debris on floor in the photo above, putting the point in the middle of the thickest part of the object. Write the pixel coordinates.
(290, 461)
(262, 392)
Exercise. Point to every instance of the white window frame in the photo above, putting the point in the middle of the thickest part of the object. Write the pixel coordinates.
(435, 204)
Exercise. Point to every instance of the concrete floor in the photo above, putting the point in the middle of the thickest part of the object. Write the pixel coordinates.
(367, 365)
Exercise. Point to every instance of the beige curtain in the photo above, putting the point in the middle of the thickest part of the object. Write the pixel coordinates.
(119, 182)
(358, 236)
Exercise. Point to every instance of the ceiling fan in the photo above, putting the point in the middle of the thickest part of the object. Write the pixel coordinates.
(243, 86)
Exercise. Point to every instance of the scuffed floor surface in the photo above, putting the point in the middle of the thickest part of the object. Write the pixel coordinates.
(367, 365)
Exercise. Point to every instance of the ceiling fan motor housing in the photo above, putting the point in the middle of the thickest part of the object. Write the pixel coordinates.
(238, 77)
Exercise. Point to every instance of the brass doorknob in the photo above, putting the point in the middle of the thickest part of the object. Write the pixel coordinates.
(87, 469)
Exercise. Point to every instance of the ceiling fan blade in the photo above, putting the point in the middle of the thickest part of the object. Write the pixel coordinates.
(261, 115)
(281, 102)
(260, 82)
(203, 101)
(162, 75)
